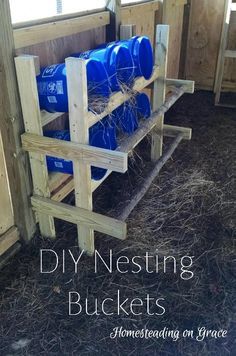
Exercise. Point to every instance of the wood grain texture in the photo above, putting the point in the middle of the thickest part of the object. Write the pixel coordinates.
(172, 15)
(32, 35)
(159, 92)
(206, 18)
(99, 157)
(79, 132)
(6, 210)
(25, 67)
(142, 16)
(11, 127)
(83, 217)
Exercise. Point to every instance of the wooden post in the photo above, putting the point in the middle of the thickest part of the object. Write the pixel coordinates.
(26, 75)
(11, 126)
(159, 93)
(113, 30)
(127, 31)
(79, 132)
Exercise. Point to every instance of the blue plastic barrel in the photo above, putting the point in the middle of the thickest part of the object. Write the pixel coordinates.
(52, 87)
(117, 61)
(100, 135)
(126, 116)
(141, 50)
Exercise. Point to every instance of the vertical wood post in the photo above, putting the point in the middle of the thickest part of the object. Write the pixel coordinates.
(127, 31)
(113, 29)
(11, 126)
(159, 92)
(26, 75)
(79, 132)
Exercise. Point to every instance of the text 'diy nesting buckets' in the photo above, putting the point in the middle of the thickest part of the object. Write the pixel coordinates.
(126, 116)
(117, 61)
(52, 85)
(101, 135)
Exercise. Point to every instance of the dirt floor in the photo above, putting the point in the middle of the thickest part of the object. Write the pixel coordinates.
(189, 210)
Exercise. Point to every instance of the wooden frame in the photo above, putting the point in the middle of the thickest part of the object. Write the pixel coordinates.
(46, 200)
(223, 53)
(27, 36)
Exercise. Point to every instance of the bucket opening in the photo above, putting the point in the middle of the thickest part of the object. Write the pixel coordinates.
(124, 66)
(145, 57)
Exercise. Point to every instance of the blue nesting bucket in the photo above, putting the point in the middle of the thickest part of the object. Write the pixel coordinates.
(141, 50)
(102, 135)
(126, 115)
(117, 61)
(143, 106)
(52, 86)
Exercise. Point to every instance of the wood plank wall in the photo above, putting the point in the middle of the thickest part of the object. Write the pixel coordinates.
(205, 24)
(6, 210)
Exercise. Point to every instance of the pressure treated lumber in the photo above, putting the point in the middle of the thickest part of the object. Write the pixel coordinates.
(148, 180)
(79, 132)
(83, 217)
(172, 131)
(32, 35)
(9, 238)
(99, 157)
(188, 85)
(159, 93)
(6, 211)
(11, 127)
(26, 75)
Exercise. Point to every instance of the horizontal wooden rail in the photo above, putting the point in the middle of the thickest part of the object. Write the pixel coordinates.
(99, 157)
(119, 98)
(188, 85)
(31, 35)
(172, 131)
(81, 216)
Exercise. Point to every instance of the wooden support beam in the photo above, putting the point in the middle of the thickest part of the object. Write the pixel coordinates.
(173, 131)
(26, 75)
(8, 239)
(80, 216)
(113, 29)
(159, 93)
(28, 36)
(95, 156)
(230, 53)
(79, 132)
(188, 85)
(11, 127)
(127, 31)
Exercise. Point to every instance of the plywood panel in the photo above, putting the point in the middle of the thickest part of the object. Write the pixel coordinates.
(6, 212)
(206, 18)
(143, 16)
(173, 11)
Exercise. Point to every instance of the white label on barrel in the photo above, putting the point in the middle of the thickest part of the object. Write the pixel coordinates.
(52, 99)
